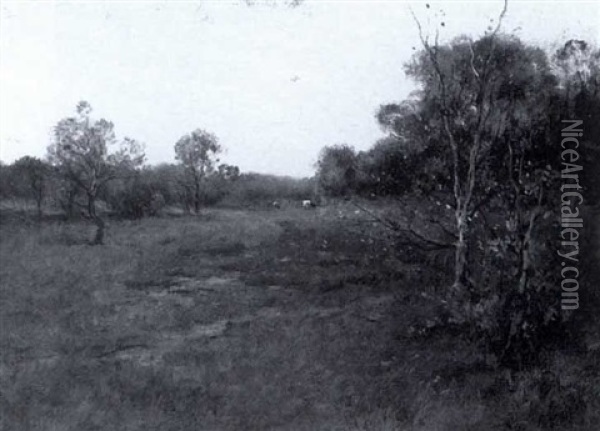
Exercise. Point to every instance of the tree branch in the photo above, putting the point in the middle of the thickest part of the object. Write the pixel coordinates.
(395, 227)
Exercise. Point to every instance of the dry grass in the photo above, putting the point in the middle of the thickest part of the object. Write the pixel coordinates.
(280, 320)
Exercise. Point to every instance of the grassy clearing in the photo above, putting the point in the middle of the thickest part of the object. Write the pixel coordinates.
(277, 320)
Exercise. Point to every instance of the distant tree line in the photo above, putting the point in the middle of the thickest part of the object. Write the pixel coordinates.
(87, 168)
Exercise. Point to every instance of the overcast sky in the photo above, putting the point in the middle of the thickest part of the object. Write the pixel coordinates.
(275, 84)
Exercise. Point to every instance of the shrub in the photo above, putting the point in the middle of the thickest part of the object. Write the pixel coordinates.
(136, 201)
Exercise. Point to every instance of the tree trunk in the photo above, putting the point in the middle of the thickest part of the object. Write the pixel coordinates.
(197, 195)
(91, 205)
(461, 282)
(69, 204)
(184, 200)
(527, 264)
(39, 207)
(100, 225)
(99, 238)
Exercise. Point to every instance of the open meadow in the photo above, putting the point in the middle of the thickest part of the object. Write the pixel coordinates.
(295, 320)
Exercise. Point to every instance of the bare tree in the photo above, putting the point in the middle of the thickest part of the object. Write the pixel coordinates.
(479, 107)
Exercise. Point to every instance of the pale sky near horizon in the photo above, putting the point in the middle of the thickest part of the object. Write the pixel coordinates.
(275, 84)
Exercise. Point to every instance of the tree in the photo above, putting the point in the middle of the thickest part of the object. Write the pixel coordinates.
(461, 82)
(65, 193)
(491, 107)
(5, 178)
(577, 66)
(336, 169)
(228, 172)
(33, 174)
(82, 154)
(136, 196)
(170, 180)
(197, 153)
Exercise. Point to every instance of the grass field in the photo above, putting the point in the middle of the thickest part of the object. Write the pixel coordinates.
(243, 320)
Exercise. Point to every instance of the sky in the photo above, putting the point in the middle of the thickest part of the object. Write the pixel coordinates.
(275, 84)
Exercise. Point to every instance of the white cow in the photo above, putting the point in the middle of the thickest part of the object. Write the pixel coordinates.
(308, 204)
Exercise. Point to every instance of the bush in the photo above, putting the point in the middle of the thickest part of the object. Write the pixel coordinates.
(540, 398)
(519, 324)
(136, 201)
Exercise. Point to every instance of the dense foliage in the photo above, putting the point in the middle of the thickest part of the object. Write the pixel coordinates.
(483, 131)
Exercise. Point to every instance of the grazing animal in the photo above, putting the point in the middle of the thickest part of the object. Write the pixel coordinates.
(308, 204)
(276, 204)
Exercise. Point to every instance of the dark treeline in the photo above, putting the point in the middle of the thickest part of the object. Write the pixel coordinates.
(482, 134)
(414, 157)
